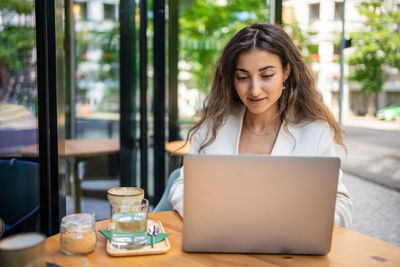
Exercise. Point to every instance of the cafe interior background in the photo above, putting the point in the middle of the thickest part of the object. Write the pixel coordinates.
(91, 90)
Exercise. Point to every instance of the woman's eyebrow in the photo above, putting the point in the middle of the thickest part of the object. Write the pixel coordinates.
(239, 69)
(263, 68)
(266, 67)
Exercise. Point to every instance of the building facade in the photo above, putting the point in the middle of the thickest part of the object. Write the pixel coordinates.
(323, 18)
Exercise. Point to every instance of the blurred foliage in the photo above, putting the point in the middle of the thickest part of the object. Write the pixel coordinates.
(97, 48)
(17, 40)
(13, 47)
(109, 42)
(17, 6)
(302, 39)
(377, 43)
(205, 27)
(15, 37)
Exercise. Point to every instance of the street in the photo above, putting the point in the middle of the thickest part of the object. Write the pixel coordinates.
(373, 154)
(372, 175)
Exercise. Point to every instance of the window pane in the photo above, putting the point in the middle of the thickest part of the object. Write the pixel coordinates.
(96, 103)
(97, 72)
(338, 10)
(314, 11)
(110, 12)
(18, 117)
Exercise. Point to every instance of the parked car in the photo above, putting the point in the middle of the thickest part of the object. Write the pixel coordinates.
(389, 113)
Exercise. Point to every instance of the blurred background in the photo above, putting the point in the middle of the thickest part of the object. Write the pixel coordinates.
(91, 90)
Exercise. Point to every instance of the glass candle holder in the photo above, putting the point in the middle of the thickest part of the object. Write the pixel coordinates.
(77, 234)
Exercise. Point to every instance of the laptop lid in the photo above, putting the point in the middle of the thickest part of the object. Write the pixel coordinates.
(259, 204)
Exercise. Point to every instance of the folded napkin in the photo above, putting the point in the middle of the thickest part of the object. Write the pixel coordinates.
(158, 238)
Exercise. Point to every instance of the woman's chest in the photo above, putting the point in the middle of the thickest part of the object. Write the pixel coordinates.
(256, 144)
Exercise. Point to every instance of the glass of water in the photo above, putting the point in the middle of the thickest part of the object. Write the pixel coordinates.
(129, 225)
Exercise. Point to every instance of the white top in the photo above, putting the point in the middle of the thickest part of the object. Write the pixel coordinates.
(308, 139)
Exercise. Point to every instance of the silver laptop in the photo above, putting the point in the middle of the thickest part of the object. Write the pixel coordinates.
(259, 204)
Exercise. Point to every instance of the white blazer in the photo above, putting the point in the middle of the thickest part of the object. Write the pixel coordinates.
(308, 139)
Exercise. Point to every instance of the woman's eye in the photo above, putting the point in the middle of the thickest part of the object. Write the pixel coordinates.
(241, 77)
(267, 75)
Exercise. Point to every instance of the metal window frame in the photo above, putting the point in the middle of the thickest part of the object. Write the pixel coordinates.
(143, 95)
(159, 98)
(127, 93)
(50, 210)
(173, 50)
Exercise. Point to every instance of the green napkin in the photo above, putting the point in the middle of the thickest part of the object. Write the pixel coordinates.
(158, 238)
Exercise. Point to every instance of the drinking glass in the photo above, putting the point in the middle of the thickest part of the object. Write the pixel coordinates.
(129, 225)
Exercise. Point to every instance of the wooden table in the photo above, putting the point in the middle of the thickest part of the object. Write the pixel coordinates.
(78, 149)
(177, 148)
(349, 248)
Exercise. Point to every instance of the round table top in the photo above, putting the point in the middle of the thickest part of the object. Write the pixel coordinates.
(80, 148)
(177, 148)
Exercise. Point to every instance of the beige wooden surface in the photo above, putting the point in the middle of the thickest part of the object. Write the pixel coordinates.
(349, 248)
(80, 148)
(98, 147)
(177, 148)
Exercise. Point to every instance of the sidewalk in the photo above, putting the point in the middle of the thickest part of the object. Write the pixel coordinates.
(371, 123)
(376, 209)
(373, 150)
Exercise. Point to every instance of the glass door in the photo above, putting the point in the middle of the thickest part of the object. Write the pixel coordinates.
(19, 166)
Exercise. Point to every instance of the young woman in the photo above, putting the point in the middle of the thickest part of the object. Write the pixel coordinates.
(263, 100)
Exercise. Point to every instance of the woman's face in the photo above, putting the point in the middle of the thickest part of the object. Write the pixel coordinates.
(258, 80)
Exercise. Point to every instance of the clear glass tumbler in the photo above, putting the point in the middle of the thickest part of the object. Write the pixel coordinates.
(129, 225)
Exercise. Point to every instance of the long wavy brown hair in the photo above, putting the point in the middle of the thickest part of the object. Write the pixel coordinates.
(300, 102)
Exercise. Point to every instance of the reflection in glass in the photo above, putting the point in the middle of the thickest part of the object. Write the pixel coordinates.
(97, 68)
(18, 117)
(18, 99)
(95, 103)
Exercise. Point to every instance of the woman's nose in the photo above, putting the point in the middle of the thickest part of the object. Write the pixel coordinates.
(255, 87)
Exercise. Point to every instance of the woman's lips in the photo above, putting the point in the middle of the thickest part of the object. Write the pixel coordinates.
(256, 101)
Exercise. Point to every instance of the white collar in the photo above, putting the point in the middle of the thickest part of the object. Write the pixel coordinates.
(284, 143)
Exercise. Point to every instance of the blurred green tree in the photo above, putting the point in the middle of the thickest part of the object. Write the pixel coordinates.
(16, 44)
(302, 40)
(205, 27)
(378, 46)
